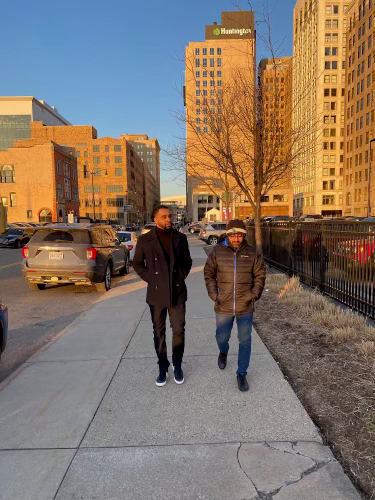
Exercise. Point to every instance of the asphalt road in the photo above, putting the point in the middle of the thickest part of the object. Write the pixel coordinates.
(35, 317)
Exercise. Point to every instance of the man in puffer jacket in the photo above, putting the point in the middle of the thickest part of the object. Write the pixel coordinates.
(235, 274)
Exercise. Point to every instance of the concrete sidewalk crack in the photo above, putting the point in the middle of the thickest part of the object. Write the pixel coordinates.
(260, 494)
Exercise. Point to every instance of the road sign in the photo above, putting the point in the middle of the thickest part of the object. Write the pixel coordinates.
(127, 208)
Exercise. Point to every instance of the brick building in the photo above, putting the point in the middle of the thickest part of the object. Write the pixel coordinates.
(112, 175)
(38, 182)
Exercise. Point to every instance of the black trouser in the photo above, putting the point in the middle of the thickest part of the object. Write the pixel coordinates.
(177, 320)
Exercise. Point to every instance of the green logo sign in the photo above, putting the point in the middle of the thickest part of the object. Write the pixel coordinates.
(217, 31)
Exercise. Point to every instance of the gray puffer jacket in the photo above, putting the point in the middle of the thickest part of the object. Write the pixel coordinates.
(234, 279)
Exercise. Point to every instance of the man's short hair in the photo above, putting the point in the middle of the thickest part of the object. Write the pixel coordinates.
(156, 210)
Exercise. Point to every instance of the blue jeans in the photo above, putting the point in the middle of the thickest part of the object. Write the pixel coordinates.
(224, 324)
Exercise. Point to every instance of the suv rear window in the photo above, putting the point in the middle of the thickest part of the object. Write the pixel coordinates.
(61, 236)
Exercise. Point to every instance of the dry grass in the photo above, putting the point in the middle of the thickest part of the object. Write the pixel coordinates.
(367, 349)
(339, 325)
(327, 352)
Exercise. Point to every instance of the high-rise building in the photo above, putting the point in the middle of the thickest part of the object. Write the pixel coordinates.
(16, 114)
(114, 181)
(359, 190)
(275, 95)
(319, 52)
(211, 66)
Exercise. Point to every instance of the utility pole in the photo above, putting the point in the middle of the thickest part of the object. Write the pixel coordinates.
(92, 173)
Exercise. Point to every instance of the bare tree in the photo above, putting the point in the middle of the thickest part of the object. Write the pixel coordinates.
(239, 134)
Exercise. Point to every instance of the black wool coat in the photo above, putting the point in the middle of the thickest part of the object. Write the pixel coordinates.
(165, 289)
(234, 279)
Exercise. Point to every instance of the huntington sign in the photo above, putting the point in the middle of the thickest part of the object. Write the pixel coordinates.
(232, 31)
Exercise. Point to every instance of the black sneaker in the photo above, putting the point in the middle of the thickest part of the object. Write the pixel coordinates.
(242, 383)
(162, 378)
(178, 375)
(222, 360)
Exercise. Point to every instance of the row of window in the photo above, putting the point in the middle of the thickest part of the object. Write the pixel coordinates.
(205, 83)
(333, 65)
(12, 200)
(205, 74)
(212, 62)
(96, 148)
(111, 202)
(66, 169)
(108, 188)
(212, 51)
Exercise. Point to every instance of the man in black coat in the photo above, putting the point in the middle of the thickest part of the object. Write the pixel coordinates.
(235, 276)
(162, 259)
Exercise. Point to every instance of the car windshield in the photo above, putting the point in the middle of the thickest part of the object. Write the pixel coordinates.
(124, 237)
(61, 236)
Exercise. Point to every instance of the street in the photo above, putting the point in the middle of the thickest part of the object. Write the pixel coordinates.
(35, 317)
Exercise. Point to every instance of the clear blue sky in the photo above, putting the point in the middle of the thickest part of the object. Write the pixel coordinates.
(114, 64)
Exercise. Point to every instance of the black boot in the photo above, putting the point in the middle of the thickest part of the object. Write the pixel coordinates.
(242, 383)
(222, 360)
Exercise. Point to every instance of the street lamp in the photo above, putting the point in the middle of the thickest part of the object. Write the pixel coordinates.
(369, 183)
(92, 173)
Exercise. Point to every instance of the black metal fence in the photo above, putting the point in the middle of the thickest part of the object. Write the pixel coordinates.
(338, 257)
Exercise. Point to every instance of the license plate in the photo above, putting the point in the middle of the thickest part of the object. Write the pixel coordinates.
(56, 255)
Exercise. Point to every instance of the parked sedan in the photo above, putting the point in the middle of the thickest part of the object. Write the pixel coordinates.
(16, 237)
(3, 327)
(148, 227)
(131, 227)
(128, 238)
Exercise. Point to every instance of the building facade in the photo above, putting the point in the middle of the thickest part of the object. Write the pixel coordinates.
(359, 190)
(275, 95)
(39, 182)
(16, 114)
(319, 55)
(114, 182)
(211, 66)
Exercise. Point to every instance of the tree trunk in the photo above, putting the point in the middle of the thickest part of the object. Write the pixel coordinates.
(258, 230)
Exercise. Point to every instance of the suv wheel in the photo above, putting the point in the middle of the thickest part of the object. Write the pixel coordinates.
(37, 286)
(125, 269)
(105, 285)
(213, 240)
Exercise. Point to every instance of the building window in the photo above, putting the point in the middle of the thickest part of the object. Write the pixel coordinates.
(59, 191)
(204, 62)
(29, 214)
(218, 62)
(117, 147)
(218, 51)
(12, 199)
(92, 189)
(114, 189)
(278, 197)
(197, 63)
(212, 62)
(97, 172)
(118, 171)
(96, 149)
(328, 199)
(7, 174)
(118, 159)
(197, 52)
(45, 215)
(96, 159)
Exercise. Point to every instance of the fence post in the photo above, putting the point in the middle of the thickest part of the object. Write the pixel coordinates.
(290, 265)
(323, 252)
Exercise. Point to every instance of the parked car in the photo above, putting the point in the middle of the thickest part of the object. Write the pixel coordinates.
(278, 218)
(211, 233)
(83, 254)
(310, 217)
(195, 227)
(3, 327)
(128, 238)
(16, 237)
(131, 226)
(148, 227)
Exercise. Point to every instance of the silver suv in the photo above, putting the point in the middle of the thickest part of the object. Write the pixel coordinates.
(83, 254)
(211, 233)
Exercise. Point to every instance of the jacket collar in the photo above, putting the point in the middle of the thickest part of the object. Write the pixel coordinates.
(153, 235)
